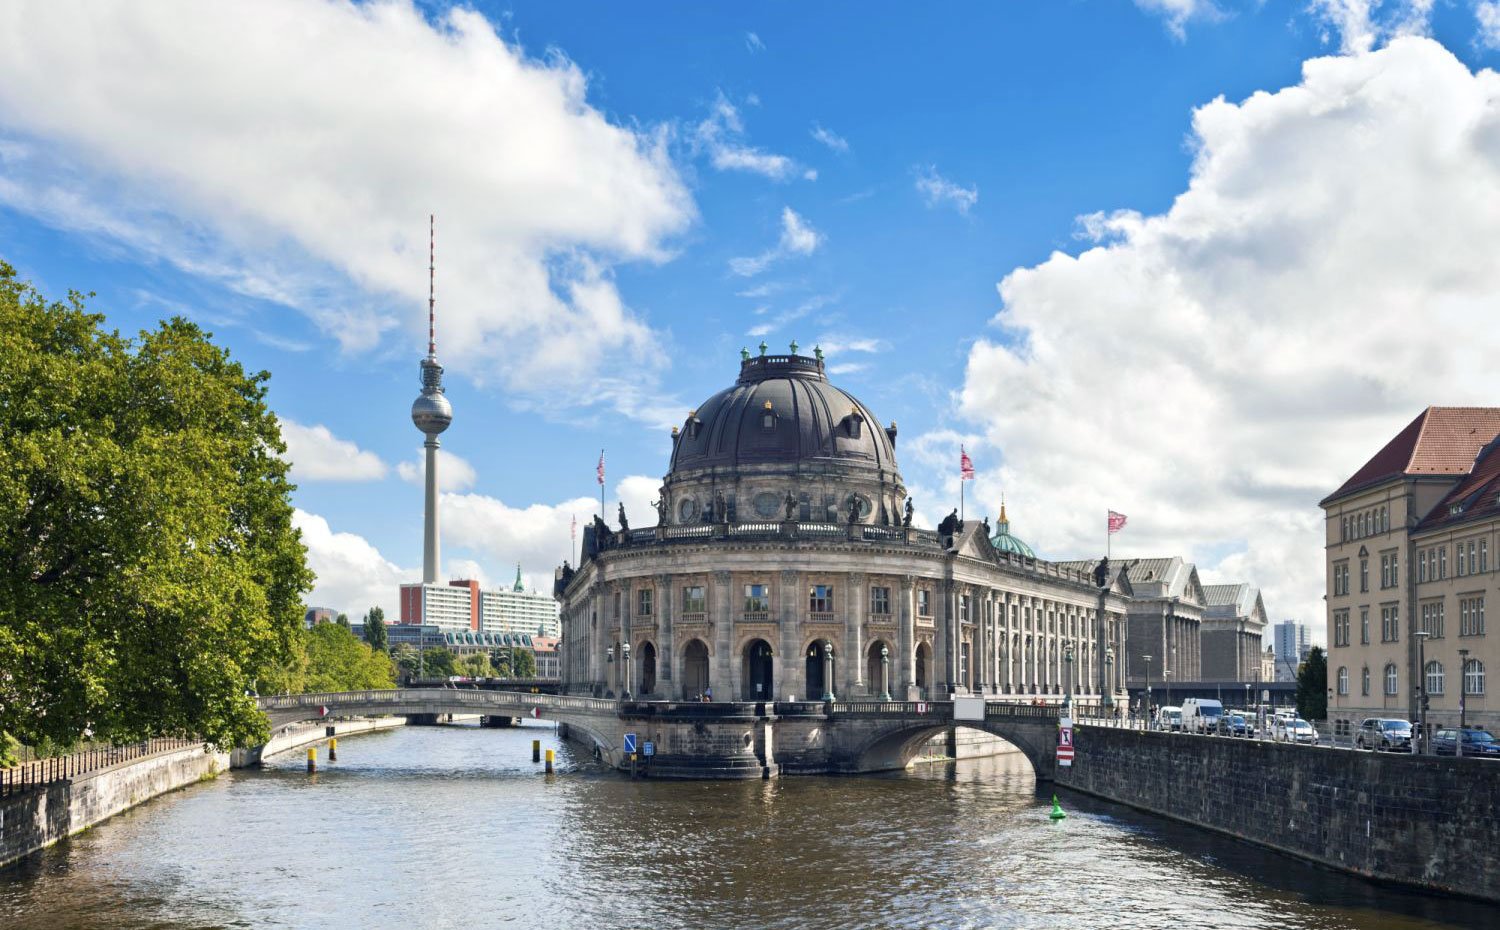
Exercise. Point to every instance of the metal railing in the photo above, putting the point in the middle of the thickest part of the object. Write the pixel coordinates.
(42, 772)
(467, 698)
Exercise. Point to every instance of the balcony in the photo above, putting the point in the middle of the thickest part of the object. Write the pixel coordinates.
(756, 616)
(821, 616)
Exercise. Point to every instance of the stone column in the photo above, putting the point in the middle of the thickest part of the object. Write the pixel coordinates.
(665, 646)
(952, 646)
(790, 660)
(597, 629)
(722, 617)
(907, 634)
(627, 679)
(854, 625)
(1010, 643)
(980, 654)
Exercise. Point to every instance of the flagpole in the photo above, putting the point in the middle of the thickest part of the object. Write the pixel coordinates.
(601, 484)
(960, 498)
(1107, 535)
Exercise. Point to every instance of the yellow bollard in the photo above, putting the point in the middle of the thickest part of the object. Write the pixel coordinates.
(333, 750)
(312, 759)
(536, 750)
(549, 762)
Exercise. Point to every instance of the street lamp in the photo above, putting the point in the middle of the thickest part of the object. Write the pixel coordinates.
(1421, 689)
(1149, 724)
(1068, 681)
(828, 672)
(1109, 678)
(609, 659)
(885, 672)
(1463, 694)
(625, 663)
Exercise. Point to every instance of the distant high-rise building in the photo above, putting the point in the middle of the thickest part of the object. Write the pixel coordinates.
(1292, 644)
(462, 605)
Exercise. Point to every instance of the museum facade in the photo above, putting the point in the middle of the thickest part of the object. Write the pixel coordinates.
(784, 566)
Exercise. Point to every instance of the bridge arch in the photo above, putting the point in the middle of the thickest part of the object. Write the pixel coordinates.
(892, 747)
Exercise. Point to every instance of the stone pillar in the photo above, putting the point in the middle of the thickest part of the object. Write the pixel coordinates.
(907, 636)
(722, 618)
(854, 626)
(597, 630)
(627, 679)
(828, 693)
(979, 657)
(952, 646)
(664, 645)
(1010, 643)
(789, 665)
(885, 673)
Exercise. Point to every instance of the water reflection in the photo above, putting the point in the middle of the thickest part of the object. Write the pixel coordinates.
(456, 827)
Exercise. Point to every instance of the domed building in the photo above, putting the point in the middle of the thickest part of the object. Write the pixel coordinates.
(783, 565)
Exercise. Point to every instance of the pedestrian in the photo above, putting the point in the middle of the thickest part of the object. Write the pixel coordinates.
(708, 695)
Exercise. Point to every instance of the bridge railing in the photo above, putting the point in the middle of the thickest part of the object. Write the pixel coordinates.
(406, 697)
(935, 709)
(42, 772)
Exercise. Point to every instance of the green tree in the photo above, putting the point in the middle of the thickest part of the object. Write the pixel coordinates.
(476, 665)
(1312, 686)
(523, 663)
(406, 660)
(342, 620)
(438, 662)
(149, 570)
(375, 633)
(338, 661)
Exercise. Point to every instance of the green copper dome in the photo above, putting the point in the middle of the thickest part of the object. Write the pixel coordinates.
(1003, 541)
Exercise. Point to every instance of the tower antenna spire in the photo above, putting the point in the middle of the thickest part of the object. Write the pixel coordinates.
(431, 288)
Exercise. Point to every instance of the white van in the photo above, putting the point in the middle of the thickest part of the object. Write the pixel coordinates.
(1201, 715)
(1169, 718)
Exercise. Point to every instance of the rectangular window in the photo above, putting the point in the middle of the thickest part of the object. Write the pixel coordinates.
(963, 608)
(1463, 562)
(1471, 616)
(693, 601)
(1422, 565)
(820, 599)
(1442, 562)
(1484, 555)
(924, 602)
(880, 600)
(1364, 625)
(757, 599)
(618, 598)
(1389, 620)
(1364, 575)
(643, 602)
(1438, 611)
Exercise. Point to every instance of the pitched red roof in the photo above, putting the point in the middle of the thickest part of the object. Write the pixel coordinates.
(1440, 441)
(1473, 498)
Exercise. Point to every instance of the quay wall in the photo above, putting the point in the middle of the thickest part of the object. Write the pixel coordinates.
(296, 736)
(1424, 821)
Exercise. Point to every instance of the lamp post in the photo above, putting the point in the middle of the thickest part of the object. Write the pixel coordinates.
(828, 672)
(1109, 679)
(1068, 680)
(885, 672)
(1463, 695)
(625, 669)
(1149, 723)
(609, 673)
(1421, 688)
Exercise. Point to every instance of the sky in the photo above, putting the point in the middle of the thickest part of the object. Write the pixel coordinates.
(1192, 261)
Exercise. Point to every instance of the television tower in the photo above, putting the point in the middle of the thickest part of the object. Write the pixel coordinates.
(432, 414)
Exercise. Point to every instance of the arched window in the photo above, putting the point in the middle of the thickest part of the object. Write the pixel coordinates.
(1434, 676)
(1474, 677)
(1343, 680)
(1364, 681)
(1390, 679)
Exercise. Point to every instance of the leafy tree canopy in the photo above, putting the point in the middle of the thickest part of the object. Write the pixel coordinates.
(1312, 686)
(149, 570)
(375, 633)
(338, 661)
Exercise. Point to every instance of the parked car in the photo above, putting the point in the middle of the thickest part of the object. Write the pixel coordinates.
(1201, 715)
(1476, 743)
(1235, 725)
(1384, 733)
(1293, 730)
(1169, 718)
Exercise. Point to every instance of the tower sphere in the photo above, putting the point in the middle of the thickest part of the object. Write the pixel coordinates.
(431, 413)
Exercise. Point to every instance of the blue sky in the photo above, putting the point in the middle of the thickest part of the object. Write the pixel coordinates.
(625, 197)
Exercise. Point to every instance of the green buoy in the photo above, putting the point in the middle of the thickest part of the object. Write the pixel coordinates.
(1057, 811)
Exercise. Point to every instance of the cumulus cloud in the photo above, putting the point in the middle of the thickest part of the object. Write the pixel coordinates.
(1215, 370)
(797, 238)
(1487, 13)
(454, 472)
(937, 190)
(1176, 13)
(352, 575)
(318, 455)
(721, 135)
(116, 128)
(830, 138)
(1360, 25)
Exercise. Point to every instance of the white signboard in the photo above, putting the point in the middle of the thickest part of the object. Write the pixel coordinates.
(968, 708)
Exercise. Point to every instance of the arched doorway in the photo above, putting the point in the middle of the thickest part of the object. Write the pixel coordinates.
(819, 686)
(923, 671)
(648, 668)
(694, 670)
(876, 669)
(757, 673)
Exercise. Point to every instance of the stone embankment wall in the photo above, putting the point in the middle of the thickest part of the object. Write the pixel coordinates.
(1420, 820)
(36, 819)
(298, 735)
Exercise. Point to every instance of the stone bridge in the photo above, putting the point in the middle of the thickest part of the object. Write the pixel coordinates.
(719, 740)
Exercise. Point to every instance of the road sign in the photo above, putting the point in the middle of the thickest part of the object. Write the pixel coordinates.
(921, 707)
(1065, 743)
(323, 710)
(536, 713)
(630, 742)
(648, 749)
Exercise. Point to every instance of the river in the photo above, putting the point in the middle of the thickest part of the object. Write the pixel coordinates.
(455, 827)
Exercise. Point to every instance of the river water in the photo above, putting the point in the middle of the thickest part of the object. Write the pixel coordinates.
(455, 827)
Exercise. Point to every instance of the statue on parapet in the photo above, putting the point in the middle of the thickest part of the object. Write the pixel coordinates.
(624, 523)
(853, 508)
(601, 532)
(721, 508)
(1101, 572)
(906, 520)
(791, 506)
(660, 506)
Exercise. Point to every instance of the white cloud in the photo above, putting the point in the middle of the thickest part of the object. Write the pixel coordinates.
(722, 136)
(1363, 24)
(1215, 370)
(318, 455)
(454, 473)
(119, 130)
(838, 345)
(797, 238)
(937, 190)
(830, 138)
(1176, 13)
(753, 43)
(781, 319)
(352, 574)
(1487, 13)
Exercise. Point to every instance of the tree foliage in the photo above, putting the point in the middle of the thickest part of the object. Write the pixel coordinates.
(338, 661)
(149, 570)
(1312, 686)
(375, 633)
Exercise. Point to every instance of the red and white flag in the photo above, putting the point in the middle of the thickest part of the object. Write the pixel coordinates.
(1116, 522)
(600, 469)
(965, 465)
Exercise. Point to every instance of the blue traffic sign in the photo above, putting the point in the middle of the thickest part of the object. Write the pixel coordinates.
(648, 748)
(630, 742)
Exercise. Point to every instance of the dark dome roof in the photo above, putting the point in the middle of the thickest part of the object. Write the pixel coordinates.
(812, 419)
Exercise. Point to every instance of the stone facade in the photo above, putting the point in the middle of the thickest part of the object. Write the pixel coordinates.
(1234, 624)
